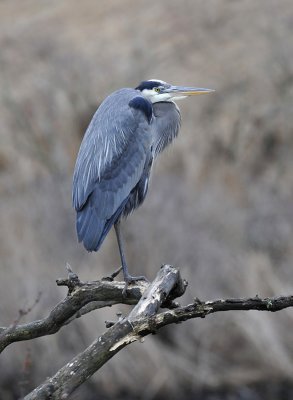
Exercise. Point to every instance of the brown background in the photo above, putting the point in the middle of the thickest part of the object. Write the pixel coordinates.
(220, 202)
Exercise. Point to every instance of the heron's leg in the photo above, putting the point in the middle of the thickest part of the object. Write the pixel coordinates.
(127, 277)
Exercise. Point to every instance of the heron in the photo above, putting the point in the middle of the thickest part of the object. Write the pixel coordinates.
(128, 131)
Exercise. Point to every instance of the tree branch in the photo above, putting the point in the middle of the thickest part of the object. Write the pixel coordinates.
(200, 309)
(85, 364)
(101, 293)
(141, 321)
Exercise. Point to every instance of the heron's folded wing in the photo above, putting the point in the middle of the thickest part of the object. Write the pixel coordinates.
(112, 155)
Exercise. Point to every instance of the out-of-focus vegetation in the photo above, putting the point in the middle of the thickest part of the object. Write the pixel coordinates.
(220, 202)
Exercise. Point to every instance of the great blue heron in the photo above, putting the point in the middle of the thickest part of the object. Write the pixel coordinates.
(127, 132)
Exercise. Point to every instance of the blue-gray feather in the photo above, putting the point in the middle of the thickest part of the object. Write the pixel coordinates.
(109, 165)
(167, 120)
(113, 165)
(140, 103)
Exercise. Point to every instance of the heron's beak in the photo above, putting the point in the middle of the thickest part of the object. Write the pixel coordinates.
(187, 91)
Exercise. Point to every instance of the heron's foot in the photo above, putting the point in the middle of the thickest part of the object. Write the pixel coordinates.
(129, 278)
(113, 275)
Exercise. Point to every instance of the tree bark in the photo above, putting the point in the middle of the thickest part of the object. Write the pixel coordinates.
(144, 319)
(85, 364)
(80, 297)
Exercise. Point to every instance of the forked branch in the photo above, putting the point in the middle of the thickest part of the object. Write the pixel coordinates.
(143, 320)
(82, 297)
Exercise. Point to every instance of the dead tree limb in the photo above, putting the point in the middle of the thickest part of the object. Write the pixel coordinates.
(85, 364)
(144, 319)
(80, 296)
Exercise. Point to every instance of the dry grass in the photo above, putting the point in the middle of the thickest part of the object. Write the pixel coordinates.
(220, 204)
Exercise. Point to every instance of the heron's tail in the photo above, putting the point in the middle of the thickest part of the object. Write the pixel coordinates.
(90, 228)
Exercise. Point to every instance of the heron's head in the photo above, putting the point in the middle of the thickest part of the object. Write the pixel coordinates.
(156, 90)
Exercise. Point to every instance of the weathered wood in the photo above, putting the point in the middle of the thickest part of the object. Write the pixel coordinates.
(103, 293)
(156, 294)
(142, 320)
(200, 309)
(85, 364)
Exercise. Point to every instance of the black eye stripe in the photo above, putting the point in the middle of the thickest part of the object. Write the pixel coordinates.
(148, 85)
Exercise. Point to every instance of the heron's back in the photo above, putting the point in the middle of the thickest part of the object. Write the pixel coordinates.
(112, 167)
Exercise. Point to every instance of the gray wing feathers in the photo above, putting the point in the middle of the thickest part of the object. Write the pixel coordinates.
(166, 125)
(104, 141)
(109, 164)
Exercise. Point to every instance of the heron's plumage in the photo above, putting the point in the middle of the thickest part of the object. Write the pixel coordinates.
(127, 132)
(142, 104)
(109, 165)
(168, 120)
(107, 139)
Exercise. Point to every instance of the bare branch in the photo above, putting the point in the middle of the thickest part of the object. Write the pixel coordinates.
(200, 309)
(21, 313)
(105, 347)
(73, 306)
(142, 321)
(167, 280)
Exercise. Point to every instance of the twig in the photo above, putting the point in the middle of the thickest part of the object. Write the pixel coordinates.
(21, 313)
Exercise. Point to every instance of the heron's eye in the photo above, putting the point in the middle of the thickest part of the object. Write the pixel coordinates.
(157, 89)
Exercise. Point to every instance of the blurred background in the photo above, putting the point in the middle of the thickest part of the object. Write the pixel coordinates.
(219, 205)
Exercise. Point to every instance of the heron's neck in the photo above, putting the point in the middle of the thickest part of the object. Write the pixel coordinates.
(166, 124)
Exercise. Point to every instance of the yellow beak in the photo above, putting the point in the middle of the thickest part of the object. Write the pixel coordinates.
(188, 91)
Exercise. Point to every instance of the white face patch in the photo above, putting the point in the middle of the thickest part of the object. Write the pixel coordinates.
(154, 96)
(175, 98)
